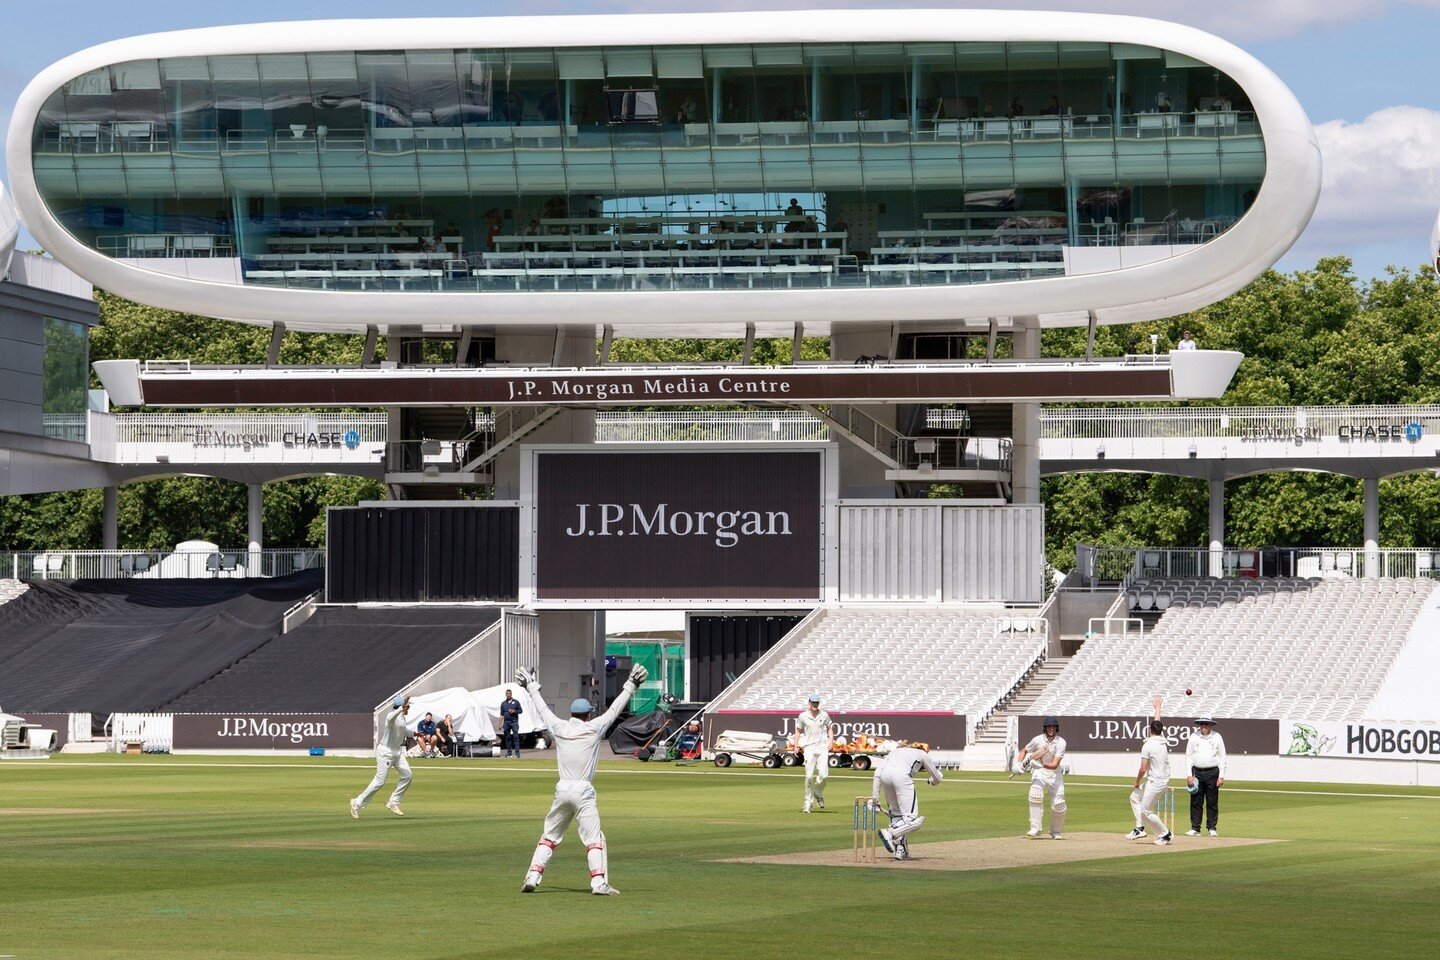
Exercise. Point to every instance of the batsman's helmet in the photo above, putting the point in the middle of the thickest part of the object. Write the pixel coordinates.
(1050, 722)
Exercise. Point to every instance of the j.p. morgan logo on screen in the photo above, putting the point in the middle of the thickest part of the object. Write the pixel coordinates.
(724, 528)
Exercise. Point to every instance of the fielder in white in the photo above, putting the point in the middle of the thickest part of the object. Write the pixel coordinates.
(895, 774)
(1150, 782)
(812, 738)
(1042, 758)
(577, 750)
(389, 752)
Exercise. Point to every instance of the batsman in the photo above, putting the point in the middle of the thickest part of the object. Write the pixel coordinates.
(1042, 758)
(577, 751)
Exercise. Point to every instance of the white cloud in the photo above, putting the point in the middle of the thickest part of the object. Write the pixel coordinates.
(1232, 19)
(1382, 184)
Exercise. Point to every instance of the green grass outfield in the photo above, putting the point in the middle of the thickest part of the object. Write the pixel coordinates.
(197, 857)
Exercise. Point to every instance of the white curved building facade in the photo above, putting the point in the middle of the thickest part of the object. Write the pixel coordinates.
(917, 168)
(9, 230)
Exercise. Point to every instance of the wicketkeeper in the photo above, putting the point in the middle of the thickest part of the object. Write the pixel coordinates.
(895, 774)
(389, 752)
(1043, 758)
(577, 750)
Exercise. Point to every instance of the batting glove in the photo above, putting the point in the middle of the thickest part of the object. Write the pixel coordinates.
(638, 673)
(527, 679)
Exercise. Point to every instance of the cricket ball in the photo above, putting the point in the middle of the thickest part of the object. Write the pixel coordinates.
(1187, 691)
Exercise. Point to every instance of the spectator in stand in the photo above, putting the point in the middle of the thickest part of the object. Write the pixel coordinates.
(425, 736)
(1162, 102)
(1052, 109)
(1017, 109)
(1187, 342)
(492, 227)
(445, 735)
(510, 711)
(1222, 102)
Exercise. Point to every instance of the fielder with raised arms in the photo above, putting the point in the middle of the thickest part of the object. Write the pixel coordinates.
(1043, 759)
(577, 750)
(389, 752)
(895, 774)
(1150, 781)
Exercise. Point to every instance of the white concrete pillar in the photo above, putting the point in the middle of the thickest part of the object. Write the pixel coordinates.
(256, 497)
(1217, 528)
(1372, 526)
(110, 519)
(1025, 430)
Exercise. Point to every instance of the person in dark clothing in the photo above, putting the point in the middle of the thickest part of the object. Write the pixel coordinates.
(425, 735)
(445, 735)
(510, 711)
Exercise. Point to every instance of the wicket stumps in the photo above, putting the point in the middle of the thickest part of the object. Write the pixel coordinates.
(867, 823)
(1166, 809)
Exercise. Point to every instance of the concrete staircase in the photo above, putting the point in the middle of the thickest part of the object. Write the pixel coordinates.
(993, 731)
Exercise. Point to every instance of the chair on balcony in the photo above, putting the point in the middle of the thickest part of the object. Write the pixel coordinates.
(133, 135)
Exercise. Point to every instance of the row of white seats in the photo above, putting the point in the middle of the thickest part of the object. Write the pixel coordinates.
(956, 661)
(1317, 648)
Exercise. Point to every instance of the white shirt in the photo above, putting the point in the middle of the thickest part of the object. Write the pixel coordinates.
(577, 742)
(1042, 750)
(1205, 753)
(393, 731)
(900, 764)
(1186, 345)
(813, 731)
(1157, 751)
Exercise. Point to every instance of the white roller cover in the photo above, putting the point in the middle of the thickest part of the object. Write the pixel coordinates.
(476, 712)
(9, 230)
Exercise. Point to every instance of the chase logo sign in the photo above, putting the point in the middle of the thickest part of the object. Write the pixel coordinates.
(352, 439)
(1413, 432)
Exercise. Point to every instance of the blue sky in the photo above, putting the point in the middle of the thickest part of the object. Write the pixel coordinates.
(1364, 69)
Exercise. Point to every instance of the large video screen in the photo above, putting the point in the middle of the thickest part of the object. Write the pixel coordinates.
(677, 526)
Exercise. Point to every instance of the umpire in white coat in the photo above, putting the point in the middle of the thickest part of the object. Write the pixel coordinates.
(1206, 755)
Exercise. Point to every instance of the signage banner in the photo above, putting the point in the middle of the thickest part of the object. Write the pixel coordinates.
(718, 525)
(1359, 740)
(600, 387)
(942, 731)
(273, 731)
(1127, 734)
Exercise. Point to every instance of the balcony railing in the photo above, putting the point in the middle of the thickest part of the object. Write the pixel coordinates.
(1124, 564)
(735, 426)
(1245, 423)
(156, 564)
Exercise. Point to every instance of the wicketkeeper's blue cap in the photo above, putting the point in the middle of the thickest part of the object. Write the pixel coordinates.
(398, 701)
(581, 706)
(814, 698)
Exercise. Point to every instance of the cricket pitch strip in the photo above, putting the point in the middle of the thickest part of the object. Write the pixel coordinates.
(1002, 853)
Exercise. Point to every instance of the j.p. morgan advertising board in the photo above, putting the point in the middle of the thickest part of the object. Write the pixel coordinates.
(656, 526)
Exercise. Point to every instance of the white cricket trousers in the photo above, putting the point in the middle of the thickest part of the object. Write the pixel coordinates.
(817, 768)
(1051, 782)
(1142, 804)
(574, 800)
(384, 760)
(899, 792)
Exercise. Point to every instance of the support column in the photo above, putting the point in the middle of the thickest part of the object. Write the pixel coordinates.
(1217, 528)
(1025, 429)
(110, 519)
(256, 497)
(1372, 526)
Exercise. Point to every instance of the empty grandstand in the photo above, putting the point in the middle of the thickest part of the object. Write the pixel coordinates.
(204, 645)
(913, 660)
(1261, 648)
(343, 659)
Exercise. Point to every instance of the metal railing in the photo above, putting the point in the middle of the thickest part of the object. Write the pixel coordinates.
(1242, 423)
(64, 426)
(155, 564)
(955, 453)
(1122, 565)
(676, 426)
